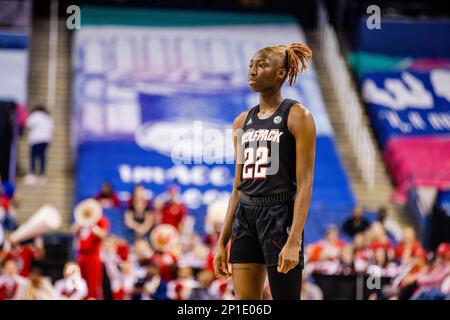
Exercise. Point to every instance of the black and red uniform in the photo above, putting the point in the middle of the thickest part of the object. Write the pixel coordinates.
(264, 213)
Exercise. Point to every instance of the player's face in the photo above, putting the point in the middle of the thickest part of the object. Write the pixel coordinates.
(265, 71)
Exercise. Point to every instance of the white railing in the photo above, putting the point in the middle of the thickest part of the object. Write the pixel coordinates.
(347, 99)
(52, 55)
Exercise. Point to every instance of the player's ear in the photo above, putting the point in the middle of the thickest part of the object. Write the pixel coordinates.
(281, 74)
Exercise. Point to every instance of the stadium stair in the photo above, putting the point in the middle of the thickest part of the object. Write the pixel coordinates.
(380, 195)
(58, 189)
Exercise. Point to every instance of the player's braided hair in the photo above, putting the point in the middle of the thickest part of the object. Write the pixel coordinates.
(295, 54)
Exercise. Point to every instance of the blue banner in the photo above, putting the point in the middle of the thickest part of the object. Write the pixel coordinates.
(405, 37)
(408, 103)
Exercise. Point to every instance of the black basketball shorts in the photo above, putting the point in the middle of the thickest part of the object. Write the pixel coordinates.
(260, 231)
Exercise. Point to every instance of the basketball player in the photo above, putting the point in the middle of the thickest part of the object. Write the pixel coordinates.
(269, 204)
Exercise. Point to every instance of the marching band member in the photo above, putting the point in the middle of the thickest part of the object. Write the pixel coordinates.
(91, 227)
(164, 240)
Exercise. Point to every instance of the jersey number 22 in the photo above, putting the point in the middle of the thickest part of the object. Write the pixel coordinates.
(253, 166)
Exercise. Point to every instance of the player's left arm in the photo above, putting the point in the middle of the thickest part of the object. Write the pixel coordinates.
(301, 125)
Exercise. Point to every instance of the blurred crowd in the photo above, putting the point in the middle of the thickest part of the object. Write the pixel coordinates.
(107, 266)
(383, 249)
(152, 266)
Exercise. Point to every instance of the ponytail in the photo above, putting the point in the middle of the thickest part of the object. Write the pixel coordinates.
(295, 53)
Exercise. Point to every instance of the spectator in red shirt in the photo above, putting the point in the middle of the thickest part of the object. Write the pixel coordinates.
(107, 197)
(25, 254)
(119, 275)
(347, 260)
(12, 285)
(89, 240)
(379, 239)
(385, 266)
(181, 287)
(408, 247)
(123, 249)
(173, 211)
(430, 281)
(362, 252)
(325, 254)
(167, 263)
(329, 248)
(143, 254)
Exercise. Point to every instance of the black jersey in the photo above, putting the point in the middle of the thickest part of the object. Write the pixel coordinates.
(268, 153)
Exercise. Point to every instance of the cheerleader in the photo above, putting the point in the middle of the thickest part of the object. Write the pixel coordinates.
(12, 285)
(72, 286)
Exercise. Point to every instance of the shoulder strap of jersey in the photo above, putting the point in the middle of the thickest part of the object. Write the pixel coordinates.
(286, 107)
(249, 116)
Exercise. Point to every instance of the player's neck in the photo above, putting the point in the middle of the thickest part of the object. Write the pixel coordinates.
(270, 101)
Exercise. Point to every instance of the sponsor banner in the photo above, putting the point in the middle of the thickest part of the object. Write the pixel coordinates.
(408, 103)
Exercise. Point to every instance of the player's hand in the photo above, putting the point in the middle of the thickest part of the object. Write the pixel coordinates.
(288, 257)
(220, 263)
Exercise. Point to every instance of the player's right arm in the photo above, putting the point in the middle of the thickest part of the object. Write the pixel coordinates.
(220, 258)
